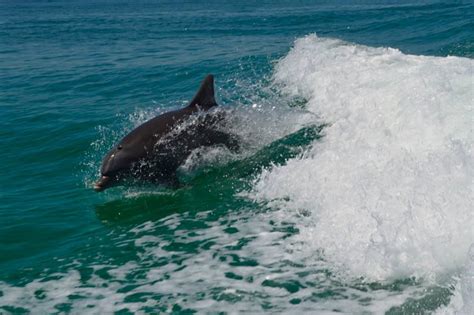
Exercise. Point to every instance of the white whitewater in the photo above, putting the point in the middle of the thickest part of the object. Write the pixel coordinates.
(389, 188)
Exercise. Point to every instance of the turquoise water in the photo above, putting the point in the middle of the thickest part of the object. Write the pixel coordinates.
(353, 192)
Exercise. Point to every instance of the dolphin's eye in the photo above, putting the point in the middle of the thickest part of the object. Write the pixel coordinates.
(119, 147)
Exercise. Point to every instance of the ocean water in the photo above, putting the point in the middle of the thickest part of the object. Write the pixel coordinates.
(353, 192)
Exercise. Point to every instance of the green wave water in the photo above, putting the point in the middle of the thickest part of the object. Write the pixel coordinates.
(77, 76)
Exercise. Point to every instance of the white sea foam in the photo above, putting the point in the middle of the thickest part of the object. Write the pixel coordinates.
(236, 271)
(390, 187)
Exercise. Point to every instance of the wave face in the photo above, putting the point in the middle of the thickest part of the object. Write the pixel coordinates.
(389, 189)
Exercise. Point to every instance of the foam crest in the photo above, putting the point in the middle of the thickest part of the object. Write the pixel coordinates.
(389, 187)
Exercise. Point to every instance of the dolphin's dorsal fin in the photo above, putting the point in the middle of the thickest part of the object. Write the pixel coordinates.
(204, 97)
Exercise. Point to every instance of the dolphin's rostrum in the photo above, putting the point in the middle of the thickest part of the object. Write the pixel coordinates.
(154, 150)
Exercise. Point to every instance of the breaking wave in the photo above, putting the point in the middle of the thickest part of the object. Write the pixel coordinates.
(389, 188)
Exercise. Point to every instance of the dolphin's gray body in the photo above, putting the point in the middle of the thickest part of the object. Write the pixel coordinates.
(154, 150)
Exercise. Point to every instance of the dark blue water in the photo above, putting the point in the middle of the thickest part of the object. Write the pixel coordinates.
(76, 76)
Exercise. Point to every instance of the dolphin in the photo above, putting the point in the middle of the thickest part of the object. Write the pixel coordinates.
(154, 150)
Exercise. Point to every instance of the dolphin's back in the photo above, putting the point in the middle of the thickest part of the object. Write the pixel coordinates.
(150, 132)
(154, 129)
